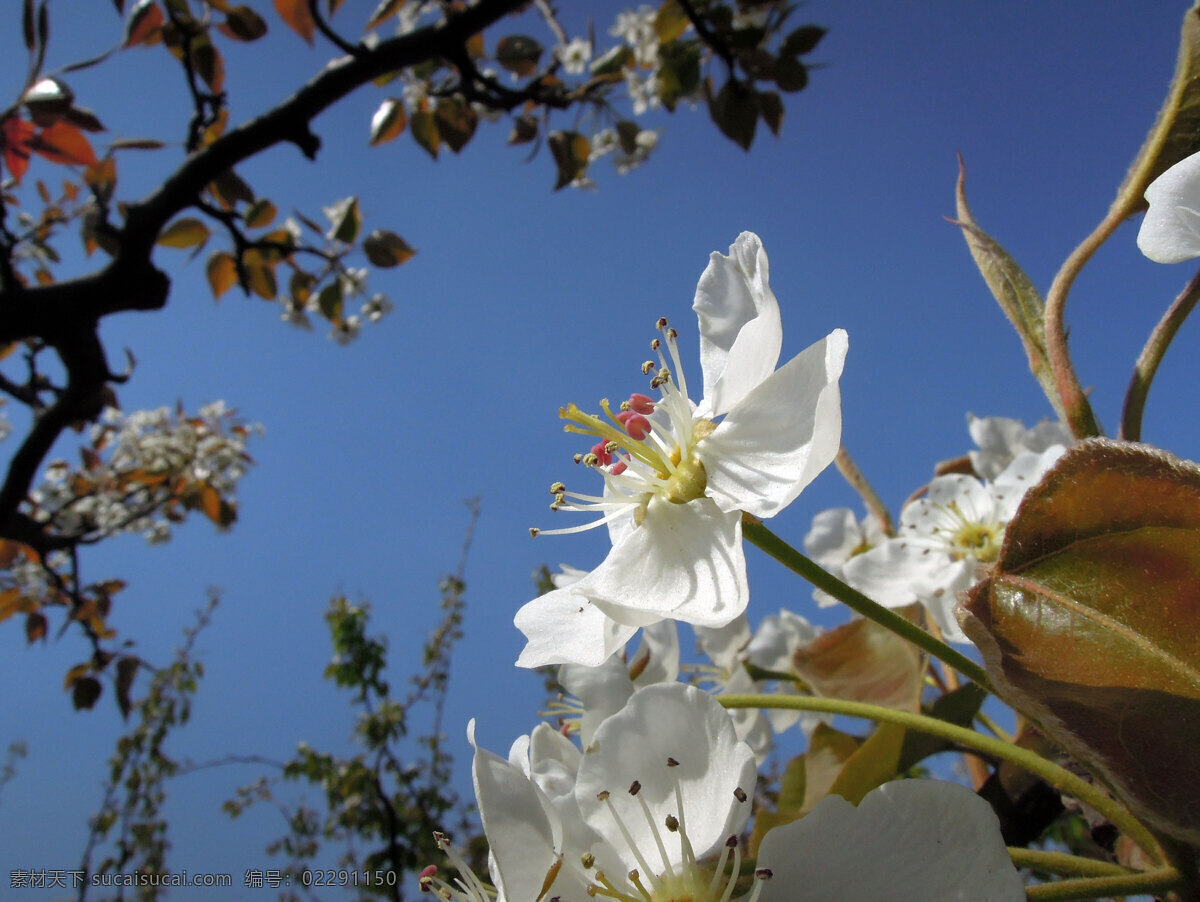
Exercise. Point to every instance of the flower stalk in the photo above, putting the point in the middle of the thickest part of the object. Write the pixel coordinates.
(1060, 778)
(758, 534)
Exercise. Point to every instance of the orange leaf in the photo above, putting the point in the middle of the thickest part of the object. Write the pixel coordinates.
(145, 24)
(64, 143)
(10, 602)
(16, 134)
(222, 273)
(296, 16)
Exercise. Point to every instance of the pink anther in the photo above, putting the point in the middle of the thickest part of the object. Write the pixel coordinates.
(600, 449)
(641, 404)
(619, 467)
(635, 424)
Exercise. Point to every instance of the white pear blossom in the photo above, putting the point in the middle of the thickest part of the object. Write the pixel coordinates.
(944, 538)
(574, 55)
(1001, 439)
(921, 840)
(836, 536)
(1170, 232)
(653, 808)
(677, 475)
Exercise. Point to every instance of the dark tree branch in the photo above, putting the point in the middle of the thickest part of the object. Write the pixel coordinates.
(66, 314)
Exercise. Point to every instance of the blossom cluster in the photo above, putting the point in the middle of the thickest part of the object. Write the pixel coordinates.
(144, 470)
(647, 784)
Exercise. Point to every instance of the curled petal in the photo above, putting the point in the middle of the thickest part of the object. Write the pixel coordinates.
(563, 627)
(740, 329)
(1170, 233)
(781, 435)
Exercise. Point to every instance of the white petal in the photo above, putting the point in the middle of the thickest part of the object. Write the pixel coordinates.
(911, 839)
(564, 627)
(657, 657)
(722, 644)
(669, 720)
(1170, 233)
(833, 536)
(781, 435)
(740, 329)
(684, 562)
(887, 573)
(939, 593)
(523, 835)
(603, 690)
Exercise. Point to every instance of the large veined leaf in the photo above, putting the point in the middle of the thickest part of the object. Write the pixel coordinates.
(1090, 622)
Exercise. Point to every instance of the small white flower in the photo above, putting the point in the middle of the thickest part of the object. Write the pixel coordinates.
(1001, 439)
(1170, 233)
(835, 537)
(945, 538)
(575, 55)
(678, 475)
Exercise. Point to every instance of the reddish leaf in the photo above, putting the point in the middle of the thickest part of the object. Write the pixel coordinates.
(384, 11)
(1089, 622)
(388, 122)
(860, 661)
(297, 17)
(64, 143)
(456, 122)
(145, 24)
(16, 135)
(35, 627)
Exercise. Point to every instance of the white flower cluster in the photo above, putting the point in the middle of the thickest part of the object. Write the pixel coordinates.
(652, 802)
(144, 470)
(352, 283)
(652, 805)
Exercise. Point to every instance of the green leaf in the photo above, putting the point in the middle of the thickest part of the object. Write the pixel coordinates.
(1013, 290)
(670, 22)
(518, 54)
(344, 220)
(735, 111)
(85, 692)
(790, 74)
(329, 301)
(425, 132)
(1089, 622)
(770, 107)
(678, 72)
(384, 248)
(1176, 132)
(801, 41)
(612, 62)
(185, 232)
(244, 24)
(571, 152)
(874, 763)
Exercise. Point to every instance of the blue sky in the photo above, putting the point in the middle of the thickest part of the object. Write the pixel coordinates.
(520, 300)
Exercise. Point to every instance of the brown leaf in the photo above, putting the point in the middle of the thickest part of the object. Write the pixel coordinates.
(222, 273)
(1090, 620)
(184, 232)
(296, 16)
(861, 661)
(144, 25)
(388, 122)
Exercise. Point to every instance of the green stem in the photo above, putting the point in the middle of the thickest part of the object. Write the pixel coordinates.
(1058, 777)
(1062, 863)
(1080, 417)
(1151, 357)
(754, 531)
(1150, 883)
(1002, 734)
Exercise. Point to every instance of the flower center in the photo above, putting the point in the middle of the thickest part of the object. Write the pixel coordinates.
(978, 540)
(679, 878)
(644, 450)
